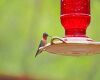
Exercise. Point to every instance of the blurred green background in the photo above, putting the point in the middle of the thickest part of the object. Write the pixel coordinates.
(22, 23)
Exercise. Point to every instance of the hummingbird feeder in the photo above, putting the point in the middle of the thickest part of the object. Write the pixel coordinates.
(75, 18)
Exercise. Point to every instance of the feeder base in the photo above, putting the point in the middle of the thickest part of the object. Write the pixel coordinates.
(72, 46)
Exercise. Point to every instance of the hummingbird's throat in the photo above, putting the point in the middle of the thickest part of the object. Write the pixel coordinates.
(45, 37)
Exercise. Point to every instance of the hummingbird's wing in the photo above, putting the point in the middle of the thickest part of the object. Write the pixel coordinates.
(39, 51)
(41, 44)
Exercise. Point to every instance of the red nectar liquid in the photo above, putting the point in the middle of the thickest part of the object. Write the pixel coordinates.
(75, 17)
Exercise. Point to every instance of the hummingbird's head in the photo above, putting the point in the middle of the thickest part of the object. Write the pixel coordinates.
(45, 35)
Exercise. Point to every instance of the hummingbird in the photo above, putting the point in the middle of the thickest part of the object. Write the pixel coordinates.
(43, 42)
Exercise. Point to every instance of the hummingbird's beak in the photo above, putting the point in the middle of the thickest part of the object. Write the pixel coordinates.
(49, 36)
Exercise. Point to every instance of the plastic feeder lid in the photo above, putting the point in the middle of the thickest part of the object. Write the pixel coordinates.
(72, 46)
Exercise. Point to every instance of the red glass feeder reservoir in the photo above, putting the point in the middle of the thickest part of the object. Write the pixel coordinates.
(75, 18)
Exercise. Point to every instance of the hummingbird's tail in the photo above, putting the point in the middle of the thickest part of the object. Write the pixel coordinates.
(38, 52)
